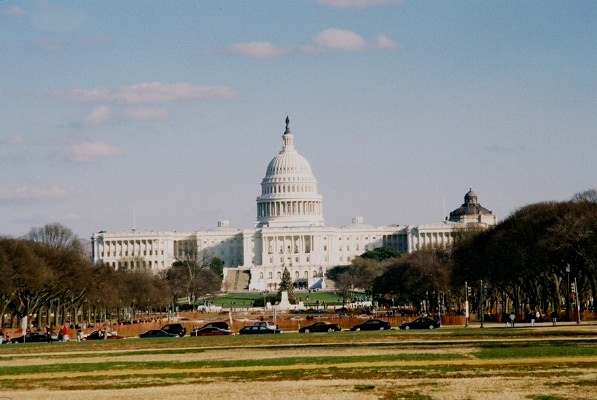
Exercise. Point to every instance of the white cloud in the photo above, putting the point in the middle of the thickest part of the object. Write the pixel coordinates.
(358, 3)
(338, 39)
(14, 11)
(90, 152)
(384, 42)
(146, 113)
(32, 193)
(98, 115)
(256, 49)
(151, 92)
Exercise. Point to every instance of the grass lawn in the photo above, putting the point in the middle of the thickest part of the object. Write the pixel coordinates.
(242, 300)
(495, 363)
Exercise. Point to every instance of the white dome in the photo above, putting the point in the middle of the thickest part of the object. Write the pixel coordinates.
(289, 164)
(289, 190)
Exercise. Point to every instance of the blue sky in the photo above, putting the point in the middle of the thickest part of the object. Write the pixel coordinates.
(165, 114)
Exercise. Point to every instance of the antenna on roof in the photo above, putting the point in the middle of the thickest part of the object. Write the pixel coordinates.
(134, 219)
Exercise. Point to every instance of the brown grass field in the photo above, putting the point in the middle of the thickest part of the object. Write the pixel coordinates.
(450, 363)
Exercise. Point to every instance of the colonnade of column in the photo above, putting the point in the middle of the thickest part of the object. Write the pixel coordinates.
(129, 248)
(295, 244)
(289, 208)
(421, 240)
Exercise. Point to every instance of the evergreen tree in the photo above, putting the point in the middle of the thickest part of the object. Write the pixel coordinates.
(286, 285)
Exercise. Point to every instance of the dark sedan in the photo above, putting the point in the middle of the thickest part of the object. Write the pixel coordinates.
(217, 324)
(320, 327)
(158, 333)
(177, 329)
(211, 331)
(421, 323)
(371, 325)
(257, 329)
(32, 338)
(99, 335)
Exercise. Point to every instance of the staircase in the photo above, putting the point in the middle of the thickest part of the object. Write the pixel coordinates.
(236, 280)
(242, 282)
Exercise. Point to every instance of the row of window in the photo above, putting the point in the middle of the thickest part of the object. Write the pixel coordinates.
(126, 253)
(270, 275)
(269, 189)
(296, 259)
(143, 244)
(135, 265)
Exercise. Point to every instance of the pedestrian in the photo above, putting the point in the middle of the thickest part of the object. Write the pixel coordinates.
(512, 318)
(554, 317)
(64, 332)
(48, 333)
(79, 332)
(532, 319)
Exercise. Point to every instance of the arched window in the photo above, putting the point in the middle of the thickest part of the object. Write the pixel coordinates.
(261, 275)
(269, 276)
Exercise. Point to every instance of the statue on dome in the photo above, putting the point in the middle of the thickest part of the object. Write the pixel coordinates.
(287, 122)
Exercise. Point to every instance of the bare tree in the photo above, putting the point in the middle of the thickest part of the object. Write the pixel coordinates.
(196, 271)
(56, 235)
(588, 196)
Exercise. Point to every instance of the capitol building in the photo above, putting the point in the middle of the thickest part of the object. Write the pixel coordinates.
(289, 232)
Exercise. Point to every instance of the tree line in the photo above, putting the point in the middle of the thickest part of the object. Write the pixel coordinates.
(543, 257)
(47, 277)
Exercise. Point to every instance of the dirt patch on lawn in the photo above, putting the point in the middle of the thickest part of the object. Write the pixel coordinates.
(228, 354)
(498, 388)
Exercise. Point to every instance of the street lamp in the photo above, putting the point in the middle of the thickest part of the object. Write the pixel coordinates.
(577, 294)
(568, 292)
(466, 290)
(264, 305)
(482, 301)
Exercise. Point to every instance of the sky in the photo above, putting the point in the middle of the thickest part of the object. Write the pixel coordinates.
(163, 115)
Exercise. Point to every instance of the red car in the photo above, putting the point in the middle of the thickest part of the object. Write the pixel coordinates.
(211, 331)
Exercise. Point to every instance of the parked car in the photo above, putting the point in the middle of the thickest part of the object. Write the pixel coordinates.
(99, 335)
(211, 331)
(217, 324)
(320, 327)
(371, 325)
(33, 337)
(420, 323)
(177, 329)
(257, 329)
(267, 324)
(158, 333)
